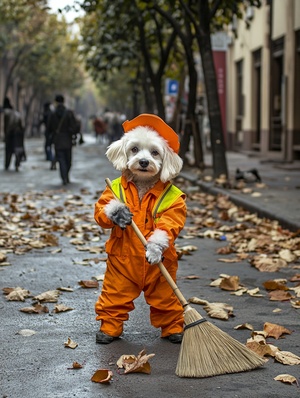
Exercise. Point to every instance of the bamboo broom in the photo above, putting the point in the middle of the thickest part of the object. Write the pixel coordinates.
(205, 349)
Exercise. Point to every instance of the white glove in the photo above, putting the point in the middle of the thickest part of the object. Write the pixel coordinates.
(154, 253)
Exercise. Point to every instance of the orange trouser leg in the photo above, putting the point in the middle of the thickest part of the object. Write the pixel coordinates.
(116, 299)
(166, 312)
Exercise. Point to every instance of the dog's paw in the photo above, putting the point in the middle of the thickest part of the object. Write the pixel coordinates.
(118, 213)
(154, 253)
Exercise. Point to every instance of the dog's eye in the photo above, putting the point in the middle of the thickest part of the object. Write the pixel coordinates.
(154, 153)
(135, 149)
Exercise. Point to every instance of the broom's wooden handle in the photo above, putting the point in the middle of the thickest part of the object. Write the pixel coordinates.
(162, 268)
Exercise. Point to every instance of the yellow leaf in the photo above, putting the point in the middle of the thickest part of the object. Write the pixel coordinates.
(102, 376)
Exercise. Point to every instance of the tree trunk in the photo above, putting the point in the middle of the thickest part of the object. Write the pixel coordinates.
(214, 110)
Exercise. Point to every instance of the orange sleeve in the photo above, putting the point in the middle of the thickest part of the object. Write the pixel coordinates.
(99, 214)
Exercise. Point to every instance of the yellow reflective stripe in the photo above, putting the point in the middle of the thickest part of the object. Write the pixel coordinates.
(118, 189)
(170, 194)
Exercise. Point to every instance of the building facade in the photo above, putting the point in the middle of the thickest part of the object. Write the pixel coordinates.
(263, 81)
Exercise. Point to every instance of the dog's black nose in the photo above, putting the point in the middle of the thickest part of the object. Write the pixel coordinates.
(144, 163)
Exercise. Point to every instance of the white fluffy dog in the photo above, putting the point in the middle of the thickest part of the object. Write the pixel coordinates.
(147, 156)
(144, 157)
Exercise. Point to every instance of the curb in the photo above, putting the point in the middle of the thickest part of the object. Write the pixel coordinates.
(243, 202)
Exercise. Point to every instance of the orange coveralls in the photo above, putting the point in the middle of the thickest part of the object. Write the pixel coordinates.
(128, 273)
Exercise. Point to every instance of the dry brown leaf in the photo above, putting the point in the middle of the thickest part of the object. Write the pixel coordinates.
(254, 292)
(102, 376)
(3, 257)
(51, 296)
(244, 326)
(230, 284)
(229, 260)
(286, 378)
(196, 300)
(65, 289)
(262, 349)
(89, 284)
(295, 304)
(240, 292)
(287, 255)
(191, 277)
(61, 308)
(266, 264)
(274, 330)
(274, 285)
(219, 310)
(280, 295)
(76, 365)
(287, 358)
(35, 309)
(133, 364)
(70, 343)
(16, 293)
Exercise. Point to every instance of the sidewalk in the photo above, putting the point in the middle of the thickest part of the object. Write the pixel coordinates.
(276, 198)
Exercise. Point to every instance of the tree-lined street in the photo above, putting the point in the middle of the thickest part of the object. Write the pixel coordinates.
(50, 242)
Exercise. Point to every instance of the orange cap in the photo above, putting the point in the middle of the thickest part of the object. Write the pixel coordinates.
(162, 128)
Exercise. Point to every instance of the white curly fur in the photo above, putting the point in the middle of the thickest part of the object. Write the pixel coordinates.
(160, 237)
(112, 207)
(145, 156)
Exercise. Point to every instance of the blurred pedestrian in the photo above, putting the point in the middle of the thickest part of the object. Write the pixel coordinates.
(62, 130)
(13, 135)
(100, 128)
(48, 146)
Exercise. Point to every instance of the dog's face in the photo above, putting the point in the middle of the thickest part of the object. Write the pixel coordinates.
(146, 154)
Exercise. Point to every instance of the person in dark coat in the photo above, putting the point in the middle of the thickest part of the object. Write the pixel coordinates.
(61, 128)
(13, 135)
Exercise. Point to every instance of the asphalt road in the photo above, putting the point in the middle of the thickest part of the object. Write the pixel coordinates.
(38, 366)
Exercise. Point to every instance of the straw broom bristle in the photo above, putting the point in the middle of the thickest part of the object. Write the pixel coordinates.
(208, 351)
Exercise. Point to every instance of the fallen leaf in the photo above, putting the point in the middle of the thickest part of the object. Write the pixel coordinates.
(76, 365)
(254, 292)
(286, 378)
(219, 310)
(244, 326)
(230, 284)
(61, 308)
(196, 300)
(70, 343)
(295, 304)
(274, 285)
(295, 278)
(3, 257)
(191, 277)
(265, 264)
(287, 358)
(260, 348)
(35, 309)
(287, 255)
(280, 295)
(102, 376)
(89, 284)
(16, 293)
(51, 296)
(133, 364)
(65, 289)
(296, 290)
(274, 330)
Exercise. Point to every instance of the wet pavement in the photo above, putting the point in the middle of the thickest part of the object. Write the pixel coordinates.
(38, 366)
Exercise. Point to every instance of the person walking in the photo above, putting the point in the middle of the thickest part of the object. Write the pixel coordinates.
(13, 135)
(62, 128)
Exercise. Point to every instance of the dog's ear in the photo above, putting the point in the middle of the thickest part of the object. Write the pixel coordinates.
(171, 165)
(116, 153)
